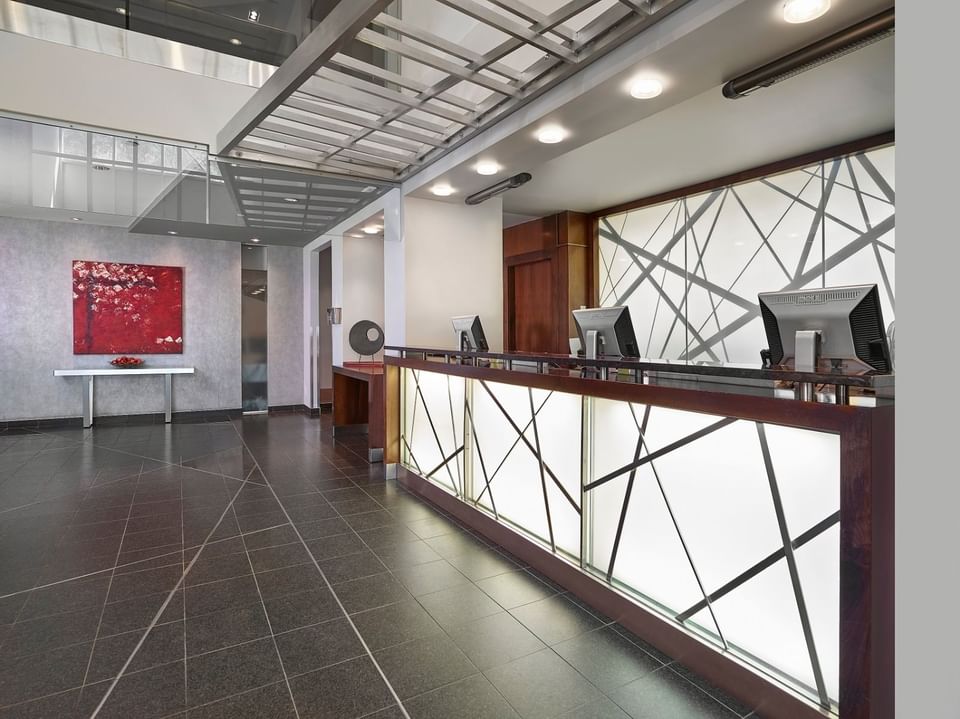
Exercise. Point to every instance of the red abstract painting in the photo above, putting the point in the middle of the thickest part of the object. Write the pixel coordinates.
(120, 308)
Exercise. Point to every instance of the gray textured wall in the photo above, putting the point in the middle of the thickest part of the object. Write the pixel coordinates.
(36, 313)
(284, 325)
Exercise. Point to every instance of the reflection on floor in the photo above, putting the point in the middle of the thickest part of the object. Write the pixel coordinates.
(258, 568)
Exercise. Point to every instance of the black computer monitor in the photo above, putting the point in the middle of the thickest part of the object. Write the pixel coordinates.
(469, 332)
(848, 319)
(613, 328)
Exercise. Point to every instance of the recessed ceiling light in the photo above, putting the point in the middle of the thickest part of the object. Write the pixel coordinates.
(290, 199)
(487, 167)
(369, 188)
(254, 239)
(372, 229)
(75, 219)
(442, 190)
(797, 11)
(644, 88)
(235, 41)
(551, 134)
(171, 232)
(121, 10)
(253, 16)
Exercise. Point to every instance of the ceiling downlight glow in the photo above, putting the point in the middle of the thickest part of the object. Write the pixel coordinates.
(442, 190)
(235, 41)
(798, 11)
(645, 88)
(372, 229)
(551, 134)
(487, 167)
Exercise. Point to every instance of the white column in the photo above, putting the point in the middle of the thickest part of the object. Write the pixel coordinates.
(394, 270)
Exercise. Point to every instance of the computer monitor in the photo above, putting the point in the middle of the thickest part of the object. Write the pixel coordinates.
(470, 337)
(613, 328)
(848, 320)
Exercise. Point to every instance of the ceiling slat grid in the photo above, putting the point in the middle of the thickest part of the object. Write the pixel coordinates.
(327, 110)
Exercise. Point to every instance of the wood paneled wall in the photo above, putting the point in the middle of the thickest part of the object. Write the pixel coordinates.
(549, 269)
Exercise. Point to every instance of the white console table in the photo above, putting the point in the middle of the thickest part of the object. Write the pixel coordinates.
(89, 374)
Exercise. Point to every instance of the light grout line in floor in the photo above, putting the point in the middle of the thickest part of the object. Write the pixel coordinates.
(106, 597)
(266, 614)
(326, 581)
(163, 607)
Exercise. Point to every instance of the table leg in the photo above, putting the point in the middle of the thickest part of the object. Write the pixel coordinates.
(87, 401)
(167, 397)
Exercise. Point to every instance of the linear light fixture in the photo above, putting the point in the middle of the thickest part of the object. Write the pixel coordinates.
(499, 188)
(823, 51)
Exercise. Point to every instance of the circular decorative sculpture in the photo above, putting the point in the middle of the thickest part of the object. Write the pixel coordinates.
(366, 338)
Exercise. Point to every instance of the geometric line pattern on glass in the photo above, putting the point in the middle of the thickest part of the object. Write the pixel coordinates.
(533, 450)
(662, 475)
(642, 447)
(792, 566)
(690, 269)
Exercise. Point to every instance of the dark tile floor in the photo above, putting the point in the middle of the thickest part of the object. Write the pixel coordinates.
(258, 568)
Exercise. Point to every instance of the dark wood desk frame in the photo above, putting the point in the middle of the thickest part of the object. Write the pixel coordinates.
(358, 404)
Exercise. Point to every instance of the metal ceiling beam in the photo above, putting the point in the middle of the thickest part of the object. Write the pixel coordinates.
(531, 15)
(330, 37)
(322, 149)
(315, 111)
(350, 63)
(354, 100)
(510, 27)
(310, 160)
(453, 49)
(425, 58)
(392, 95)
(293, 132)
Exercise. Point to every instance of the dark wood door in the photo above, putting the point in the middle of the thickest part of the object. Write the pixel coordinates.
(531, 300)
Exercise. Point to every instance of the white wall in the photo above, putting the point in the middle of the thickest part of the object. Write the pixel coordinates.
(454, 266)
(91, 88)
(36, 329)
(362, 286)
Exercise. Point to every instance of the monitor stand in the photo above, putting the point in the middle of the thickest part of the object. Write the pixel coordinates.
(594, 341)
(807, 354)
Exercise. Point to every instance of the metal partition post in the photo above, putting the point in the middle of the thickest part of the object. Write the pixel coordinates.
(469, 493)
(87, 400)
(586, 476)
(167, 398)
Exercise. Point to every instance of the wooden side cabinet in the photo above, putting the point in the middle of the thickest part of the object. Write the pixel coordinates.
(548, 270)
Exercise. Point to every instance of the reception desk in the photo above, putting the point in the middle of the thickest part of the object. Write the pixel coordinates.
(742, 531)
(358, 403)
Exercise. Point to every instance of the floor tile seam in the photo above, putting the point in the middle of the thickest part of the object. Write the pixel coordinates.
(106, 598)
(163, 462)
(34, 587)
(188, 708)
(333, 592)
(266, 614)
(546, 645)
(72, 645)
(163, 608)
(670, 666)
(480, 673)
(443, 630)
(183, 570)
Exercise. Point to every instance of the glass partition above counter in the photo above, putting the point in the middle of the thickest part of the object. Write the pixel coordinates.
(860, 388)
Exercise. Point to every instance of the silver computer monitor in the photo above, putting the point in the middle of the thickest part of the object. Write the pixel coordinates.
(469, 333)
(613, 328)
(848, 320)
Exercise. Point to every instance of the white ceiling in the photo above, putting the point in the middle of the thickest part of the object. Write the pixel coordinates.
(622, 149)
